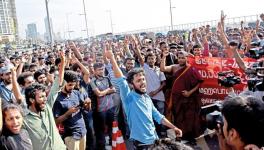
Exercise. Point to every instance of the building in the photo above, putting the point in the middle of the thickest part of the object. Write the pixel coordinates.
(8, 21)
(31, 31)
(46, 35)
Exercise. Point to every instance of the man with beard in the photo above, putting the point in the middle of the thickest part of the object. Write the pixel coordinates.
(156, 81)
(6, 88)
(138, 106)
(67, 111)
(185, 102)
(40, 122)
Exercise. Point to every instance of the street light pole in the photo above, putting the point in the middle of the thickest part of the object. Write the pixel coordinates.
(48, 19)
(86, 23)
(171, 16)
(111, 21)
(68, 25)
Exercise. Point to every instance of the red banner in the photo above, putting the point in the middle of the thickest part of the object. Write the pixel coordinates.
(209, 67)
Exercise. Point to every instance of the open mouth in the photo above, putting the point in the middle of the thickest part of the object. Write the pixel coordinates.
(16, 128)
(143, 86)
(43, 105)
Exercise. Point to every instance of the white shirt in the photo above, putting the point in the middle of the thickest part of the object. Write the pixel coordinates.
(154, 77)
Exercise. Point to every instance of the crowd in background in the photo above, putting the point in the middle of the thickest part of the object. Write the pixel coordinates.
(68, 95)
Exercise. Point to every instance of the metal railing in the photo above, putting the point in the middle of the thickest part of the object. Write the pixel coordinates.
(229, 22)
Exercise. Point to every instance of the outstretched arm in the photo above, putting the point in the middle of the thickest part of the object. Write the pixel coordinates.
(109, 54)
(223, 35)
(239, 60)
(61, 69)
(85, 71)
(19, 97)
(75, 50)
(168, 124)
(163, 66)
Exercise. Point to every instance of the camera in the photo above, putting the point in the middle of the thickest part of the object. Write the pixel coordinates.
(213, 115)
(228, 79)
(255, 82)
(256, 53)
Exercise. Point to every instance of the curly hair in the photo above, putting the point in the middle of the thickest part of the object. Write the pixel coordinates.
(39, 73)
(132, 73)
(30, 92)
(70, 76)
(169, 144)
(21, 78)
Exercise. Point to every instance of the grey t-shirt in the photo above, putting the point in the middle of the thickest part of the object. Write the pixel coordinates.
(105, 102)
(19, 141)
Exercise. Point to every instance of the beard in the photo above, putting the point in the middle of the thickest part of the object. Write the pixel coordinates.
(68, 91)
(38, 108)
(139, 92)
(8, 81)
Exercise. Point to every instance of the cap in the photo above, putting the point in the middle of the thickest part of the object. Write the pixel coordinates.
(173, 46)
(6, 69)
(41, 57)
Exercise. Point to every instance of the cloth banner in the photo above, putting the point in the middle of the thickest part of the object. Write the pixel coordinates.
(209, 67)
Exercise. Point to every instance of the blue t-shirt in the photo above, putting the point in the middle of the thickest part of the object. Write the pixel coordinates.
(140, 113)
(74, 125)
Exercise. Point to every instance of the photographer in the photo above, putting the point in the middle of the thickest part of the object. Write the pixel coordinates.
(258, 88)
(243, 123)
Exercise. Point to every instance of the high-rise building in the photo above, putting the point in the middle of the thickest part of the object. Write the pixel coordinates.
(8, 20)
(32, 32)
(47, 38)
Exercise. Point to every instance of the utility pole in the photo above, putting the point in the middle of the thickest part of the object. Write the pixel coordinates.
(68, 25)
(48, 19)
(86, 23)
(111, 21)
(171, 16)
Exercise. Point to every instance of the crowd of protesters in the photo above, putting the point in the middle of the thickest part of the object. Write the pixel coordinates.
(68, 95)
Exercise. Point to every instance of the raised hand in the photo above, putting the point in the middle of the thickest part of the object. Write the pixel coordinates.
(219, 27)
(74, 59)
(165, 53)
(108, 53)
(223, 16)
(62, 56)
(13, 71)
(72, 45)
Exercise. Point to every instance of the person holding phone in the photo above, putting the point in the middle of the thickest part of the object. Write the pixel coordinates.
(67, 111)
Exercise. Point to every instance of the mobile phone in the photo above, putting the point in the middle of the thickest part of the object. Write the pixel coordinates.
(81, 104)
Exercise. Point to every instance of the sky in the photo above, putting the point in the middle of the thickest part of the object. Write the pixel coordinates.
(127, 15)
